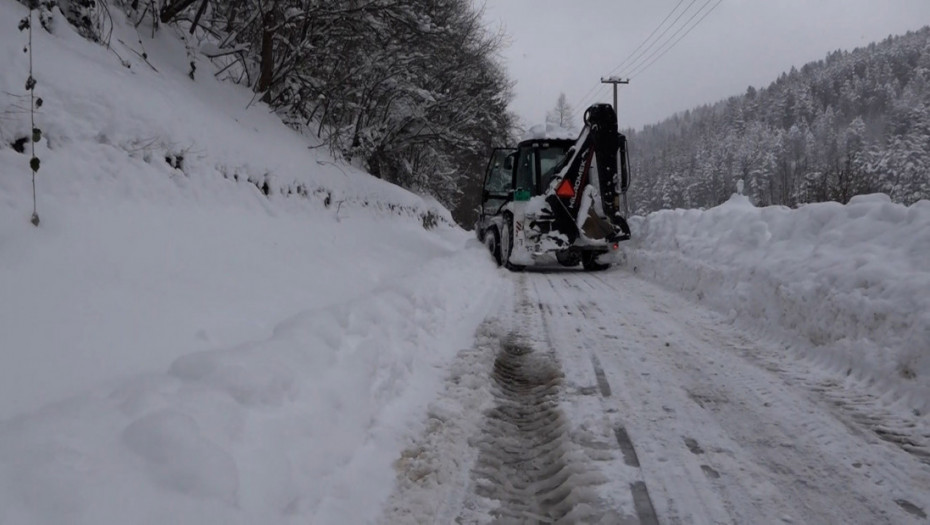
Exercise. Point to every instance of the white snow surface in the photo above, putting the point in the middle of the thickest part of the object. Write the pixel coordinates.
(179, 347)
(845, 286)
(549, 131)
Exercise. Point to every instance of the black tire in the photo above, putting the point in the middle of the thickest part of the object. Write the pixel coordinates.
(493, 242)
(506, 245)
(568, 258)
(590, 264)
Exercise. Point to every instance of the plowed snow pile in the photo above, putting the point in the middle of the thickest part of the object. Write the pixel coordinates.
(846, 285)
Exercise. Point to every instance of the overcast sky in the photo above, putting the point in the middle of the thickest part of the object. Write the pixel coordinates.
(559, 46)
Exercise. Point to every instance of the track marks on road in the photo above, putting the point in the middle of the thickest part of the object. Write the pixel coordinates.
(780, 431)
(526, 461)
(602, 383)
(910, 508)
(626, 447)
(569, 327)
(854, 402)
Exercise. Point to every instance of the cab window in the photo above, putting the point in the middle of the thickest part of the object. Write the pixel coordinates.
(499, 179)
(526, 169)
(548, 160)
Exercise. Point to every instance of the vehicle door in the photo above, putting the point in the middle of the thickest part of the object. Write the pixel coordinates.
(498, 182)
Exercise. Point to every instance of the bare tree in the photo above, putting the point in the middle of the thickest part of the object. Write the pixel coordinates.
(562, 114)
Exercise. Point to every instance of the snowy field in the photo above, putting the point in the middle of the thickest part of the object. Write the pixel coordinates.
(846, 286)
(180, 347)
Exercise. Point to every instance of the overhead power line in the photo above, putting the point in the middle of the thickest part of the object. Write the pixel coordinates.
(654, 42)
(641, 44)
(588, 96)
(640, 60)
(646, 65)
(640, 50)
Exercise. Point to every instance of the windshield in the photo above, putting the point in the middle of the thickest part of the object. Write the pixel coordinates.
(536, 165)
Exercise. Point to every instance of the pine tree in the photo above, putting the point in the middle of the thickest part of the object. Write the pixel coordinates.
(854, 123)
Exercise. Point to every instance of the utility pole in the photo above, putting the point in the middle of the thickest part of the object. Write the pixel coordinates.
(615, 81)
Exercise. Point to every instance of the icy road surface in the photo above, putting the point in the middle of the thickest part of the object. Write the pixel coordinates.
(603, 398)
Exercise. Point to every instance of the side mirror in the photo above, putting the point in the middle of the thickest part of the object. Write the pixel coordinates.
(508, 162)
(485, 195)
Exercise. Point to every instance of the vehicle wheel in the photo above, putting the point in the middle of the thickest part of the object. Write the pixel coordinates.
(507, 245)
(589, 262)
(568, 257)
(492, 241)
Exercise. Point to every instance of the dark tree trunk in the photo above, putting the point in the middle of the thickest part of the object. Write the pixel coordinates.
(267, 54)
(375, 161)
(174, 9)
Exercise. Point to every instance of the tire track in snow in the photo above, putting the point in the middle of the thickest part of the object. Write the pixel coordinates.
(518, 462)
(809, 459)
(524, 461)
(584, 339)
(700, 401)
(528, 462)
(434, 482)
(851, 401)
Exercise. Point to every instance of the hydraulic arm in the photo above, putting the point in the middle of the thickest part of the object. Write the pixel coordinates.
(595, 168)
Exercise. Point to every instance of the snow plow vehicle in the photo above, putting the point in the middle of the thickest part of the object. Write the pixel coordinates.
(558, 199)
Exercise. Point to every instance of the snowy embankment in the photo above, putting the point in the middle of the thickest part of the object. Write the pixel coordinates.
(215, 322)
(846, 286)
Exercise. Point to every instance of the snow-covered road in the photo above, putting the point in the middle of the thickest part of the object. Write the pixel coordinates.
(604, 398)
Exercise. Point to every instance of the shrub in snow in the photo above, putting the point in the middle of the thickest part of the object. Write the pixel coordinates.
(429, 220)
(90, 18)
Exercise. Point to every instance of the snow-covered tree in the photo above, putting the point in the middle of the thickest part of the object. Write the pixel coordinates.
(853, 123)
(562, 115)
(411, 91)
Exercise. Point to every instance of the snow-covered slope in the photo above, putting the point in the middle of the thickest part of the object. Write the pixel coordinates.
(846, 286)
(179, 347)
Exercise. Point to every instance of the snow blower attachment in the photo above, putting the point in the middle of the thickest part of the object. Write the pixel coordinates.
(557, 196)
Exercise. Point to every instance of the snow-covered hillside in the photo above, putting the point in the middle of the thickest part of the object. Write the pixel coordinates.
(154, 221)
(846, 286)
(216, 322)
(179, 347)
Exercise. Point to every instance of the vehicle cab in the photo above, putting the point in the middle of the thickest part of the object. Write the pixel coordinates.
(514, 176)
(557, 198)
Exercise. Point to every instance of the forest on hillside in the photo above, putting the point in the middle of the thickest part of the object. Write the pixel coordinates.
(855, 122)
(410, 91)
(413, 92)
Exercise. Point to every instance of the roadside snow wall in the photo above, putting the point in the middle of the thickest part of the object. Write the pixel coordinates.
(845, 285)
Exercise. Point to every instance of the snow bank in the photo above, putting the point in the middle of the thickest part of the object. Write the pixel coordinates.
(215, 322)
(853, 281)
(302, 426)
